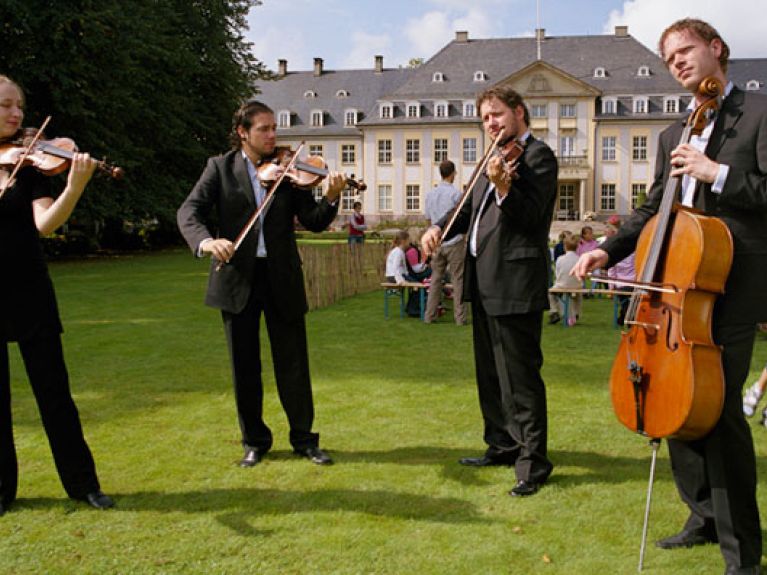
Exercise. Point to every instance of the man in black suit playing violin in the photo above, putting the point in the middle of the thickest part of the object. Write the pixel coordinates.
(724, 173)
(506, 221)
(262, 276)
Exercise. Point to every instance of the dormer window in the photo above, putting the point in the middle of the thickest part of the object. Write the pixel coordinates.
(609, 105)
(671, 105)
(640, 104)
(643, 72)
(440, 109)
(283, 119)
(317, 118)
(438, 77)
(753, 85)
(342, 94)
(310, 94)
(480, 76)
(469, 109)
(413, 110)
(600, 72)
(350, 117)
(387, 110)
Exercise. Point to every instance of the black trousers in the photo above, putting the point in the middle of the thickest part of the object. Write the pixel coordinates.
(716, 475)
(291, 367)
(44, 361)
(512, 395)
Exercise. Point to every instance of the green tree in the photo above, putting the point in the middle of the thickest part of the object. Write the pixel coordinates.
(150, 84)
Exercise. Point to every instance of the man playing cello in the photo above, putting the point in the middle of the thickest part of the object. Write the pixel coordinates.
(724, 174)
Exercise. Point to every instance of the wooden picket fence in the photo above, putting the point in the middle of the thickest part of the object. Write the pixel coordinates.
(336, 271)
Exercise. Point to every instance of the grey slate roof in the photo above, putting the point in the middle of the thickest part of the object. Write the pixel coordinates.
(363, 87)
(743, 70)
(577, 56)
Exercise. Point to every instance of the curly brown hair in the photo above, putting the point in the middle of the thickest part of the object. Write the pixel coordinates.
(702, 30)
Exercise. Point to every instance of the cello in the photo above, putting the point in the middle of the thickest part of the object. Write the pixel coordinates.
(667, 378)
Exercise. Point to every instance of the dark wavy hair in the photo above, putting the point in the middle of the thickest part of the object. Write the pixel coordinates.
(244, 117)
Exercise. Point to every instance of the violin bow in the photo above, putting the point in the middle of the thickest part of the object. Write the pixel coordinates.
(23, 156)
(262, 208)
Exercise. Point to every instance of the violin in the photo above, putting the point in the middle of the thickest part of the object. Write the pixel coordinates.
(49, 157)
(304, 174)
(509, 150)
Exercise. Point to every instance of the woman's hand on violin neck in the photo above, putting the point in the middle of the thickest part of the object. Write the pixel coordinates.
(80, 172)
(588, 262)
(336, 184)
(221, 249)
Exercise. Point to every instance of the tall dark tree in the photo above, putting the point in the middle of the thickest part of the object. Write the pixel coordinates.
(151, 84)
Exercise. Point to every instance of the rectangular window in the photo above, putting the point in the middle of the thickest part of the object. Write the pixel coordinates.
(607, 197)
(539, 111)
(384, 151)
(350, 118)
(567, 146)
(412, 110)
(316, 150)
(638, 194)
(386, 112)
(317, 118)
(566, 200)
(671, 106)
(567, 110)
(639, 148)
(608, 106)
(440, 110)
(384, 198)
(608, 148)
(413, 198)
(440, 149)
(348, 153)
(348, 197)
(469, 109)
(470, 150)
(640, 106)
(412, 151)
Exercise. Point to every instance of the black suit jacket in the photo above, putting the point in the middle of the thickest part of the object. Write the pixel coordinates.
(512, 263)
(224, 187)
(739, 140)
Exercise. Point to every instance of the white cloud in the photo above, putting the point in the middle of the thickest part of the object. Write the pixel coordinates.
(428, 33)
(364, 47)
(738, 21)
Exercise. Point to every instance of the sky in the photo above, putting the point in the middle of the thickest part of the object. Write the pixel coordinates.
(347, 34)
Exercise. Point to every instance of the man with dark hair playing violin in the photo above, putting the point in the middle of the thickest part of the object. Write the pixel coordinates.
(262, 276)
(29, 314)
(724, 173)
(507, 218)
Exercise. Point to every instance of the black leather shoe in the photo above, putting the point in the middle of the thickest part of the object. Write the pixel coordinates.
(524, 488)
(732, 570)
(315, 455)
(251, 458)
(483, 461)
(98, 500)
(685, 539)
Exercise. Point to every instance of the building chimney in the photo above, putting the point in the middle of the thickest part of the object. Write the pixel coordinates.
(318, 66)
(540, 34)
(282, 67)
(379, 64)
(621, 31)
(462, 36)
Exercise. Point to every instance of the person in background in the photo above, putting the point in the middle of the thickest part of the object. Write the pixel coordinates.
(29, 313)
(450, 255)
(396, 262)
(563, 279)
(356, 225)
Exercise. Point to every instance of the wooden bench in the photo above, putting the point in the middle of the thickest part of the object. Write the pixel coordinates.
(392, 289)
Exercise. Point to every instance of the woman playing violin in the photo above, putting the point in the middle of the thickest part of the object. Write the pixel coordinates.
(29, 313)
(263, 276)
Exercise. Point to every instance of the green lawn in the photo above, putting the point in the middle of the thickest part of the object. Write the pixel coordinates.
(396, 406)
